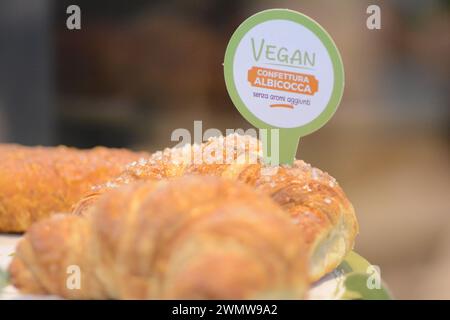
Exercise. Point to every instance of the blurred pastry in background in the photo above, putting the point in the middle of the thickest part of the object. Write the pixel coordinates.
(36, 182)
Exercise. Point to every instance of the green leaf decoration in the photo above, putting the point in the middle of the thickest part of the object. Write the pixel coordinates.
(355, 271)
(356, 288)
(353, 262)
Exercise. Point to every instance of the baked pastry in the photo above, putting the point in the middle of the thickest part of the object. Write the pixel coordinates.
(313, 199)
(193, 237)
(38, 181)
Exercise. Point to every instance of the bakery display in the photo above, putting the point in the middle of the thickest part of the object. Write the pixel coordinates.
(193, 237)
(202, 221)
(38, 181)
(313, 200)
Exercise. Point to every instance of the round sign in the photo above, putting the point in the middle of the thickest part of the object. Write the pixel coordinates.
(283, 70)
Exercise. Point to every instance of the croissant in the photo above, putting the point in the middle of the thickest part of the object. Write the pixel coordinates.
(37, 181)
(192, 237)
(313, 199)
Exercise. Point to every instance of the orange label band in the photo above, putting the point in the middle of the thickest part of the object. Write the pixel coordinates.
(283, 80)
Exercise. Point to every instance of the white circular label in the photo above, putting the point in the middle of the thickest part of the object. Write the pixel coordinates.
(284, 80)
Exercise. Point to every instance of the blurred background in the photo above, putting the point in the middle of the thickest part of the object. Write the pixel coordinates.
(139, 69)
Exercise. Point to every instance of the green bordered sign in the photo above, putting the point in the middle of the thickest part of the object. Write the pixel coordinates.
(283, 71)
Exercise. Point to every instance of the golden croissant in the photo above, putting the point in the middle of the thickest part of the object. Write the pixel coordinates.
(38, 181)
(193, 237)
(313, 199)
